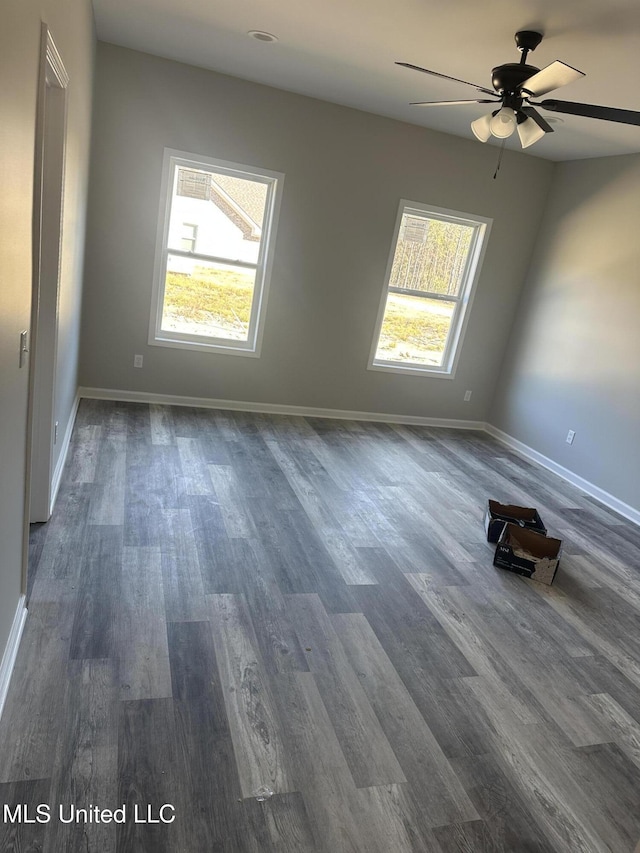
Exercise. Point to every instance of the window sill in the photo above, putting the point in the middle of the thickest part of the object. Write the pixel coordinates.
(409, 370)
(205, 346)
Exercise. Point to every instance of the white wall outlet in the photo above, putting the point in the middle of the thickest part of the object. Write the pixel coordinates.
(570, 436)
(137, 361)
(467, 396)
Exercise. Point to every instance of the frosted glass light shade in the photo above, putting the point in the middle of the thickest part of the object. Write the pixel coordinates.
(503, 123)
(481, 127)
(529, 132)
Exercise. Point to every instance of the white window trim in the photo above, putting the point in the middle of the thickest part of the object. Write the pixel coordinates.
(200, 343)
(459, 324)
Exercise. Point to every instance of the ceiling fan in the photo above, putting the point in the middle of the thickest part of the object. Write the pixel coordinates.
(515, 83)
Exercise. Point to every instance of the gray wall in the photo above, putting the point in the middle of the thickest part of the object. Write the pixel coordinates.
(71, 24)
(574, 357)
(345, 174)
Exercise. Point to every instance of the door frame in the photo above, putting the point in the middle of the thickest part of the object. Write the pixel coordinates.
(48, 207)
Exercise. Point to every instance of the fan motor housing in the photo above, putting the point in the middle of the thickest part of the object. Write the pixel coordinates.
(509, 77)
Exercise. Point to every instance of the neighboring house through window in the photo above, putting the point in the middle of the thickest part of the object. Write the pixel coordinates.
(432, 271)
(214, 251)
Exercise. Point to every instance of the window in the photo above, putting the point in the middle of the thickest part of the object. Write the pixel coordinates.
(434, 264)
(216, 232)
(189, 234)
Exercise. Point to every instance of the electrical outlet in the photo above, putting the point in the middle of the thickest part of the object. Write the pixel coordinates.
(137, 361)
(55, 433)
(570, 436)
(467, 396)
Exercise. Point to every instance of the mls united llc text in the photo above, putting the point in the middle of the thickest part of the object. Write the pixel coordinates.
(44, 813)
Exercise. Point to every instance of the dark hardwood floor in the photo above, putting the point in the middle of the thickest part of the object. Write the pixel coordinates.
(225, 601)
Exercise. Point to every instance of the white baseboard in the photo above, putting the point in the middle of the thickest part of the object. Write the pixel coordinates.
(275, 408)
(589, 488)
(11, 650)
(64, 450)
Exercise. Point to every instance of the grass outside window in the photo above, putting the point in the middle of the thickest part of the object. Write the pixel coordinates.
(211, 301)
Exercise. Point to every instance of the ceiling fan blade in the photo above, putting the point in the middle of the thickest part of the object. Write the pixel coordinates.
(552, 77)
(592, 111)
(450, 103)
(535, 115)
(446, 77)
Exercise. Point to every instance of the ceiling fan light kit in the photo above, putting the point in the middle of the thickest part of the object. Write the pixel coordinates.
(503, 123)
(529, 132)
(482, 127)
(514, 84)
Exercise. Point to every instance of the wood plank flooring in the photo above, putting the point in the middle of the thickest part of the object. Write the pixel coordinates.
(224, 601)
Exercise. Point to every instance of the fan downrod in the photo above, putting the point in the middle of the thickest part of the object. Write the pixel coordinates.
(526, 41)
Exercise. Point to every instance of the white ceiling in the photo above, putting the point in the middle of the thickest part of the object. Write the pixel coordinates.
(344, 51)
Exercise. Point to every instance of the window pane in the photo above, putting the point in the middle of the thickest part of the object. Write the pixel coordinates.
(210, 299)
(225, 214)
(430, 255)
(414, 330)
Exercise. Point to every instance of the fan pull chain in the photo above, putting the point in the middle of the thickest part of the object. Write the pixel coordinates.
(495, 174)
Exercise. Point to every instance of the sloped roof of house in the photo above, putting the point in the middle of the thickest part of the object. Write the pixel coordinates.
(249, 196)
(241, 200)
